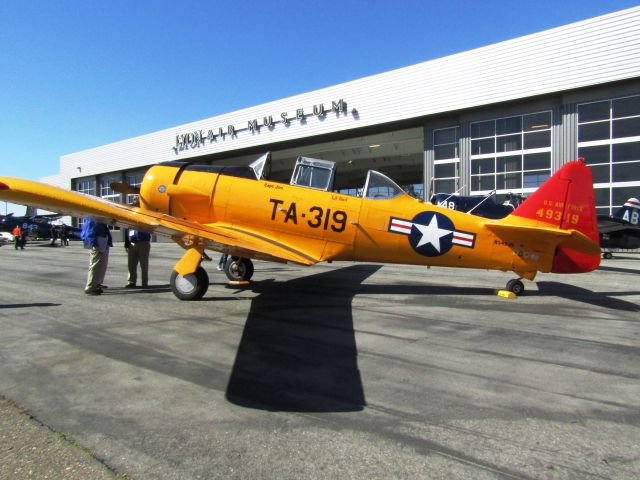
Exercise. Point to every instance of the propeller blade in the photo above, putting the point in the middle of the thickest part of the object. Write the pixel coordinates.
(124, 188)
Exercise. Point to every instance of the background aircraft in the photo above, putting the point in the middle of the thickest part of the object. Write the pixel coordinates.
(622, 230)
(235, 210)
(483, 206)
(37, 226)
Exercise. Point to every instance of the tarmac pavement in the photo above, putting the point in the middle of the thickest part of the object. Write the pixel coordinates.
(335, 371)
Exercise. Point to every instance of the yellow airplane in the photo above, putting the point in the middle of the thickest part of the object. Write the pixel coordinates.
(235, 210)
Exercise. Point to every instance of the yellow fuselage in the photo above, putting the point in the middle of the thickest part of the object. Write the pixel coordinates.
(332, 226)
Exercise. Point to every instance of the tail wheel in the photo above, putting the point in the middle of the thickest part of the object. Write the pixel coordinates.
(515, 286)
(190, 287)
(238, 269)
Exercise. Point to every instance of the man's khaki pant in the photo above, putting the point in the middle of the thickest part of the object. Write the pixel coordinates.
(97, 268)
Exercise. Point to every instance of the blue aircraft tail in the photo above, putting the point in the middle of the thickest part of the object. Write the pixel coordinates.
(629, 212)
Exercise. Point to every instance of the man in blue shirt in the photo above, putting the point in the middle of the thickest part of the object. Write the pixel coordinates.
(138, 245)
(97, 238)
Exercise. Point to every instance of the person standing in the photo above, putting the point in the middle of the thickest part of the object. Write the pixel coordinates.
(64, 236)
(97, 238)
(17, 237)
(223, 261)
(138, 245)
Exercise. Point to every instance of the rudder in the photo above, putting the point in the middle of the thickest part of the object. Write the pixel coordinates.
(567, 201)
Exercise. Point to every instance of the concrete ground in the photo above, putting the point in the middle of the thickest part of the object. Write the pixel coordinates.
(335, 371)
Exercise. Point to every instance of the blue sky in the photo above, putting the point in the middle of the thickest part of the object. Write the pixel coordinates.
(78, 74)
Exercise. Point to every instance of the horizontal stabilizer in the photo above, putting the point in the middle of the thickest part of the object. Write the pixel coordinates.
(572, 239)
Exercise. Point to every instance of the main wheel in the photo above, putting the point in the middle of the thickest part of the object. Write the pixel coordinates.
(238, 269)
(607, 255)
(515, 286)
(190, 287)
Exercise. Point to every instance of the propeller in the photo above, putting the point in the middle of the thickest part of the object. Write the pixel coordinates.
(124, 188)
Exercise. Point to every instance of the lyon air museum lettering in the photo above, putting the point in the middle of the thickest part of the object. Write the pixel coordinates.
(200, 138)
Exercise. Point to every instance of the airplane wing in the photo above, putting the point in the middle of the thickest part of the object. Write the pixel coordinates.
(562, 238)
(219, 236)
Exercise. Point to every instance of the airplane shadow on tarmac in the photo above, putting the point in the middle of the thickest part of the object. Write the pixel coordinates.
(30, 305)
(600, 299)
(298, 349)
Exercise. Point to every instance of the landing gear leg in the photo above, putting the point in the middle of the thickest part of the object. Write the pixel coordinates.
(516, 286)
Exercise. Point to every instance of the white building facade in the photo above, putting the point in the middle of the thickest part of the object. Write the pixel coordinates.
(502, 117)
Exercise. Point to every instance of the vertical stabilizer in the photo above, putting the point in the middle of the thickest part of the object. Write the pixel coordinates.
(629, 212)
(567, 201)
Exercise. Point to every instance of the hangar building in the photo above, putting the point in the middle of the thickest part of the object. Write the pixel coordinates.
(501, 117)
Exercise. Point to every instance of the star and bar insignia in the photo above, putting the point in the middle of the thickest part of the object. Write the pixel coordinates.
(431, 233)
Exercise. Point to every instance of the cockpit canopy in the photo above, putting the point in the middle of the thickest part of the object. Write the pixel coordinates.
(314, 173)
(379, 187)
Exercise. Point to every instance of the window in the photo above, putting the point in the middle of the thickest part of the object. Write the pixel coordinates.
(609, 142)
(446, 165)
(511, 154)
(106, 191)
(135, 180)
(86, 185)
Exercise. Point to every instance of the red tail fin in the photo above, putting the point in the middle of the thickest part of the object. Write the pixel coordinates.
(567, 201)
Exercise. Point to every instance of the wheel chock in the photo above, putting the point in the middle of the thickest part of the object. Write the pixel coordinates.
(239, 282)
(506, 294)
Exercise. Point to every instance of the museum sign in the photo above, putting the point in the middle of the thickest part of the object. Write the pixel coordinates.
(202, 137)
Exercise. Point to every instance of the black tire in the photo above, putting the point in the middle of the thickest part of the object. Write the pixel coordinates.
(190, 287)
(607, 255)
(515, 286)
(238, 269)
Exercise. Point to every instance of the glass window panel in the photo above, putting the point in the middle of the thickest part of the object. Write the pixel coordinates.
(602, 197)
(484, 165)
(508, 181)
(442, 152)
(597, 154)
(589, 112)
(625, 152)
(483, 129)
(509, 143)
(536, 161)
(593, 131)
(622, 194)
(600, 173)
(626, 107)
(603, 211)
(444, 186)
(447, 135)
(629, 127)
(537, 139)
(512, 163)
(626, 172)
(445, 170)
(480, 147)
(416, 190)
(537, 121)
(482, 182)
(535, 179)
(508, 125)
